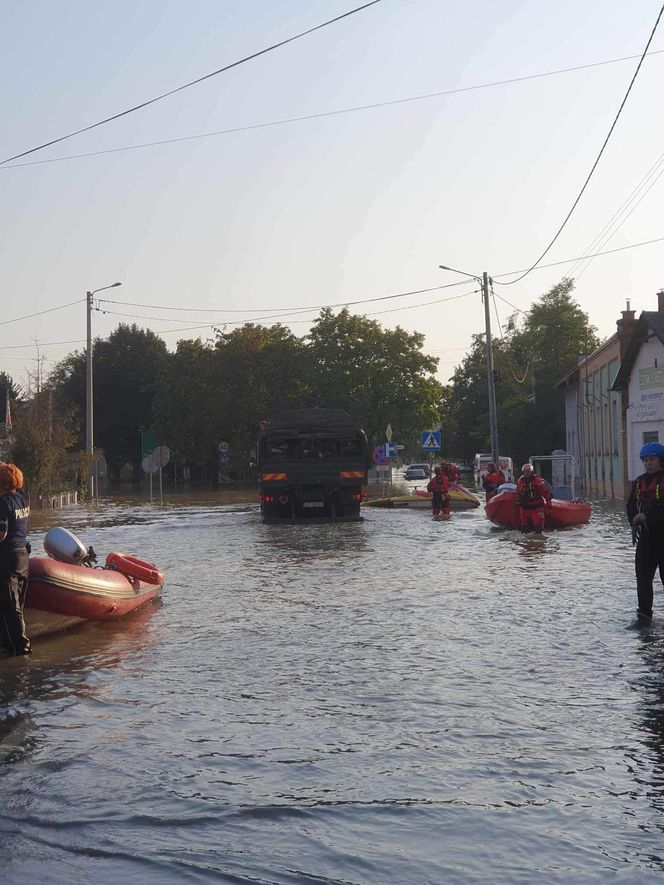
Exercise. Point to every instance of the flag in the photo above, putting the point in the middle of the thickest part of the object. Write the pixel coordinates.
(8, 415)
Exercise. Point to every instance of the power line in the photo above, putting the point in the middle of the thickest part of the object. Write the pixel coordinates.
(42, 344)
(40, 312)
(286, 312)
(572, 260)
(295, 309)
(597, 159)
(323, 114)
(278, 316)
(627, 209)
(157, 98)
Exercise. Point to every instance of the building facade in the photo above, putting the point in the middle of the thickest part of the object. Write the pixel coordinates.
(594, 415)
(640, 380)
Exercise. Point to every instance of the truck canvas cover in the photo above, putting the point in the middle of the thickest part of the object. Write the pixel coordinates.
(311, 421)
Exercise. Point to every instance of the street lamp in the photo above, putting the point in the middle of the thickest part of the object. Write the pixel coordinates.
(89, 431)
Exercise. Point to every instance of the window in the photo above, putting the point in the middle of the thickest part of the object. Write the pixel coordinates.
(650, 436)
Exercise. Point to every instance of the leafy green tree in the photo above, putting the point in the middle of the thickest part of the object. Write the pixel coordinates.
(548, 343)
(39, 445)
(127, 368)
(380, 376)
(535, 353)
(220, 391)
(186, 407)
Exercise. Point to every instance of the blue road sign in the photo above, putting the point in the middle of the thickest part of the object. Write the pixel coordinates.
(390, 450)
(430, 441)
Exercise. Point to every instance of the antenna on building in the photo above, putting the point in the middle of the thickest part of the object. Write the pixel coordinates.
(628, 307)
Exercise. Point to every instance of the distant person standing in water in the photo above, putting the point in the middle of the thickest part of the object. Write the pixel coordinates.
(14, 513)
(533, 496)
(493, 478)
(645, 511)
(439, 486)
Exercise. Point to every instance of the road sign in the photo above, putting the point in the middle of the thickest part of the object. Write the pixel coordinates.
(388, 433)
(378, 455)
(390, 450)
(224, 457)
(148, 464)
(430, 441)
(224, 447)
(148, 442)
(161, 456)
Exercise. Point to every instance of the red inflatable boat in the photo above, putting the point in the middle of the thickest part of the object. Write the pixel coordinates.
(503, 509)
(61, 594)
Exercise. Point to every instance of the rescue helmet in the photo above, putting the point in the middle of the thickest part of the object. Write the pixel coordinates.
(527, 468)
(653, 448)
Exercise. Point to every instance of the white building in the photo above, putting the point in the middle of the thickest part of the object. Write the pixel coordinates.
(641, 375)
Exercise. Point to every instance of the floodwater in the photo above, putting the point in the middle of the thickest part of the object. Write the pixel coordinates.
(396, 701)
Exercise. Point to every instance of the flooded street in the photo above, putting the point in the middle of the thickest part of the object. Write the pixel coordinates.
(394, 701)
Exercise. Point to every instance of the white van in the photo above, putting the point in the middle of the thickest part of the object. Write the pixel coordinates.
(482, 461)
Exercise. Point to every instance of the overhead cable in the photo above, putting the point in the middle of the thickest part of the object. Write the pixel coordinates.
(39, 313)
(597, 159)
(300, 309)
(157, 98)
(378, 104)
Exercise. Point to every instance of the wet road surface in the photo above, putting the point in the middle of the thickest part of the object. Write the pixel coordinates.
(396, 701)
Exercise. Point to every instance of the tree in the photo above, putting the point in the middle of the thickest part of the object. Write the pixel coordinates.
(548, 343)
(127, 367)
(214, 392)
(534, 354)
(380, 376)
(39, 445)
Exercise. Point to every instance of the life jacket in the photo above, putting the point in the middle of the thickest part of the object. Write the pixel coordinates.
(649, 494)
(439, 484)
(531, 494)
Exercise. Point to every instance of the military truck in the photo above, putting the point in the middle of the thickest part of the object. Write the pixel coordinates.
(312, 466)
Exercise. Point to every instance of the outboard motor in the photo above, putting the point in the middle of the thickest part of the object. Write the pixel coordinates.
(64, 546)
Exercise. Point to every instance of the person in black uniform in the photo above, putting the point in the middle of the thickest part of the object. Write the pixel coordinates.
(645, 511)
(14, 513)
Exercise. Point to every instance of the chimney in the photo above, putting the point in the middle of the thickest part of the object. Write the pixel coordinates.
(660, 301)
(627, 323)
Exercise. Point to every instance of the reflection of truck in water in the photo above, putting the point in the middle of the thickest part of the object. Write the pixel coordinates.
(312, 465)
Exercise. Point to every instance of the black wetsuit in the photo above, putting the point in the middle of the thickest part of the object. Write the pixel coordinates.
(14, 512)
(647, 496)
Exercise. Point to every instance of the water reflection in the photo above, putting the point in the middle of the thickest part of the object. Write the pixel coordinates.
(649, 770)
(60, 667)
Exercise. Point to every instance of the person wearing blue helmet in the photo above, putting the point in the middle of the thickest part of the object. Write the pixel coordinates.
(645, 511)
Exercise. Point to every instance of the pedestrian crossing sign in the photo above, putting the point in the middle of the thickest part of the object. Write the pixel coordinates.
(430, 441)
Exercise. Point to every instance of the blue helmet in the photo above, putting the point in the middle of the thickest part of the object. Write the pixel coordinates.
(656, 449)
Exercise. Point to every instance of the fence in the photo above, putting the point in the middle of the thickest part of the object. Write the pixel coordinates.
(55, 502)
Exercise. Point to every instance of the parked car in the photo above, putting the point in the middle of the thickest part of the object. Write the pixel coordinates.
(414, 473)
(425, 467)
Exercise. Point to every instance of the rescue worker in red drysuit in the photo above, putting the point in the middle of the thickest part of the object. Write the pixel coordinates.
(534, 497)
(493, 478)
(451, 471)
(439, 486)
(645, 511)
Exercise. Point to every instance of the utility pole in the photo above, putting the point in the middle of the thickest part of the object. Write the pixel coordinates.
(491, 378)
(89, 424)
(89, 420)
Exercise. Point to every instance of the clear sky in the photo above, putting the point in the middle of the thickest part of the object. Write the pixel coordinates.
(339, 208)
